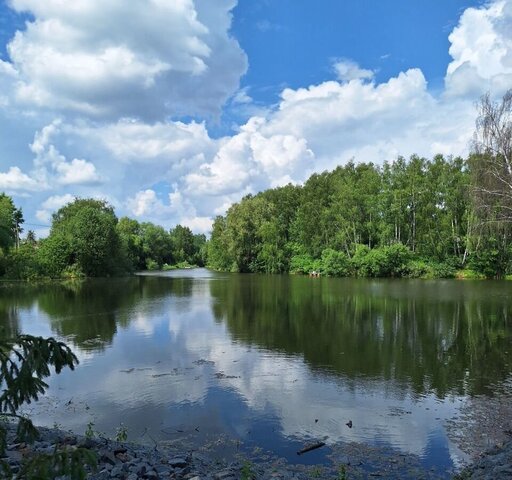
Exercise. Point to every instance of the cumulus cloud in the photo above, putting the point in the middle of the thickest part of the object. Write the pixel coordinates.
(138, 142)
(51, 204)
(15, 180)
(347, 70)
(112, 74)
(481, 48)
(51, 165)
(146, 203)
(144, 59)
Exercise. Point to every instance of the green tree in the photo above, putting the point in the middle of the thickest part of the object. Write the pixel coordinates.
(219, 256)
(491, 177)
(84, 235)
(9, 215)
(24, 363)
(130, 235)
(183, 247)
(491, 162)
(156, 244)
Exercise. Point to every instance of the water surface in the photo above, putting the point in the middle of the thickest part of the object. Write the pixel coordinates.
(272, 361)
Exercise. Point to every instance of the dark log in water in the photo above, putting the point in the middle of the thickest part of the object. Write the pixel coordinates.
(310, 447)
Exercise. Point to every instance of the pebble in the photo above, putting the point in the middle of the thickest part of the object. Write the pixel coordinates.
(128, 461)
(494, 464)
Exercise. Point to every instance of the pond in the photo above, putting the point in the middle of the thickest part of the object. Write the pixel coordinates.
(274, 362)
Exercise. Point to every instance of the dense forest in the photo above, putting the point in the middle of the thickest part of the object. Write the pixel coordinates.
(87, 240)
(438, 217)
(416, 217)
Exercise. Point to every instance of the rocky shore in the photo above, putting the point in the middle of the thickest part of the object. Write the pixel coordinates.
(494, 464)
(165, 460)
(180, 460)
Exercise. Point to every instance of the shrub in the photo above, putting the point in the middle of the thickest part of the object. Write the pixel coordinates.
(423, 269)
(23, 263)
(151, 264)
(419, 269)
(72, 272)
(389, 261)
(334, 263)
(305, 264)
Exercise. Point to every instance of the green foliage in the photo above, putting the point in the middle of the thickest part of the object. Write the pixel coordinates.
(335, 264)
(89, 226)
(55, 254)
(421, 205)
(219, 257)
(61, 462)
(7, 222)
(305, 263)
(23, 263)
(131, 241)
(151, 264)
(389, 261)
(89, 431)
(468, 274)
(121, 433)
(247, 471)
(342, 473)
(24, 362)
(492, 258)
(182, 241)
(156, 244)
(430, 270)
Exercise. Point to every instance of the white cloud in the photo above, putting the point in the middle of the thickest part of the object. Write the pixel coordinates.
(347, 70)
(145, 203)
(137, 142)
(51, 165)
(52, 204)
(101, 62)
(77, 172)
(15, 180)
(242, 97)
(481, 48)
(144, 59)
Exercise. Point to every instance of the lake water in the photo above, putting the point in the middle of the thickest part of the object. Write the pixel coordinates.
(272, 361)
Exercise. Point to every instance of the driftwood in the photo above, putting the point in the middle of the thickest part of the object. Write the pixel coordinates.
(314, 446)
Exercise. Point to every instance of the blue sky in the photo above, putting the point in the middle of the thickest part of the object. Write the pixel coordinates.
(173, 110)
(291, 42)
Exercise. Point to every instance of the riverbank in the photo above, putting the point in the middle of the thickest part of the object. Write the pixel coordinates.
(183, 460)
(494, 464)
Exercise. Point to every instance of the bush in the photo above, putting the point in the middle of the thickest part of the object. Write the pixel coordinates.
(166, 267)
(491, 260)
(334, 263)
(72, 272)
(23, 264)
(419, 269)
(443, 270)
(468, 274)
(430, 270)
(389, 261)
(304, 264)
(151, 264)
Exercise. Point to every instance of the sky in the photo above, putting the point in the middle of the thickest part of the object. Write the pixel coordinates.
(171, 110)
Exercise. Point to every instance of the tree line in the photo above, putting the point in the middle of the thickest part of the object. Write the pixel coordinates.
(87, 240)
(417, 217)
(413, 217)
